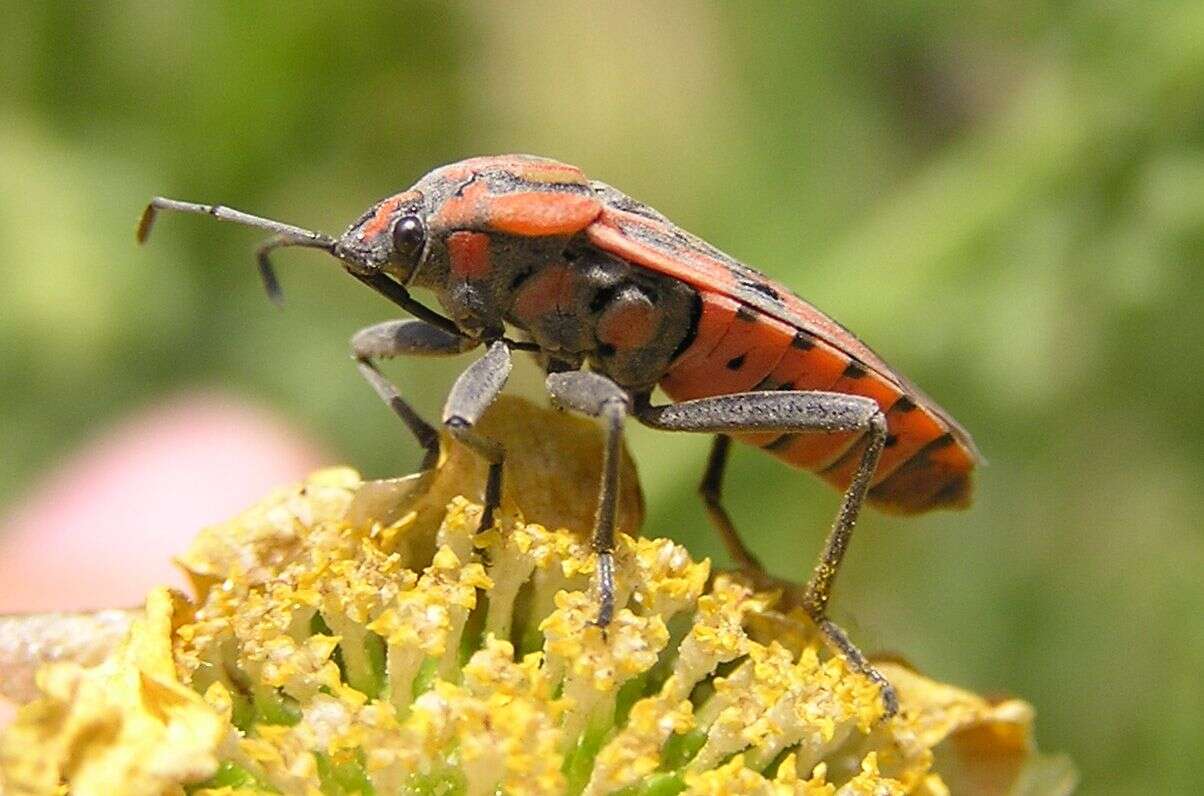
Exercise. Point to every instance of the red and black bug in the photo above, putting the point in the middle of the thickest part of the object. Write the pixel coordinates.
(615, 300)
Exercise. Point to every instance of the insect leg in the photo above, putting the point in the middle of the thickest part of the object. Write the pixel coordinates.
(404, 338)
(598, 396)
(470, 396)
(792, 412)
(711, 491)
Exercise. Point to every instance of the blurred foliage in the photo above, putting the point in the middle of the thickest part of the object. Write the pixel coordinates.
(1007, 201)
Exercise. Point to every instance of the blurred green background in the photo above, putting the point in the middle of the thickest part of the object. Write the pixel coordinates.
(1007, 201)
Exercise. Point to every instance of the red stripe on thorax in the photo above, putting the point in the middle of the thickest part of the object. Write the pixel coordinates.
(536, 213)
(469, 254)
(466, 211)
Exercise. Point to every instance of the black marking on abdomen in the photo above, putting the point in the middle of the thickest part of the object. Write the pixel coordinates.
(920, 457)
(918, 460)
(688, 340)
(854, 448)
(802, 341)
(854, 370)
(743, 313)
(943, 441)
(949, 491)
(768, 384)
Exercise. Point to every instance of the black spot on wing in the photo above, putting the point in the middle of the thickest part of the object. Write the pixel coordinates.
(735, 363)
(745, 314)
(762, 288)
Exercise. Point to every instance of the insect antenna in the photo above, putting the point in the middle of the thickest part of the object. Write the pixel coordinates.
(285, 234)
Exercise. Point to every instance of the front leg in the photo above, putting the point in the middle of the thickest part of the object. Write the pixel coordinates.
(405, 338)
(795, 412)
(599, 397)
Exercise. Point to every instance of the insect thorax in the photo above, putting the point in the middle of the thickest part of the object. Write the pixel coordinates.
(577, 303)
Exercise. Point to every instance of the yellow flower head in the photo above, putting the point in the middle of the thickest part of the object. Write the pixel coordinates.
(361, 637)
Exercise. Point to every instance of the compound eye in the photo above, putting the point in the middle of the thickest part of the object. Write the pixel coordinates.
(408, 237)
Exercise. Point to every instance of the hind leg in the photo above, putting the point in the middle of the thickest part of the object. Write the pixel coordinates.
(711, 490)
(470, 396)
(793, 412)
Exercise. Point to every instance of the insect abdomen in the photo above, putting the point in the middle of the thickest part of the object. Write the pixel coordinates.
(737, 349)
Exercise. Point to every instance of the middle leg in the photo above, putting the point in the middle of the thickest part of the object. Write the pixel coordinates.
(598, 396)
(470, 396)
